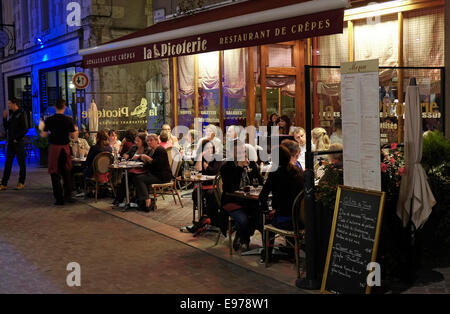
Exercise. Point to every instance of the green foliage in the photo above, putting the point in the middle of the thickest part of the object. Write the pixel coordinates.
(392, 169)
(436, 150)
(327, 188)
(40, 142)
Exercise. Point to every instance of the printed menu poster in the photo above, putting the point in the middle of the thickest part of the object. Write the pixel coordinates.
(361, 124)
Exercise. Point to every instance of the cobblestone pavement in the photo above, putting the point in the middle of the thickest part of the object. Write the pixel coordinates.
(117, 255)
(38, 240)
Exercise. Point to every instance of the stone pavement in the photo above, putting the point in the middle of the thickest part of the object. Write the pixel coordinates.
(130, 252)
(38, 240)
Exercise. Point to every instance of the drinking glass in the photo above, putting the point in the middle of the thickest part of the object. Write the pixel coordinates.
(255, 182)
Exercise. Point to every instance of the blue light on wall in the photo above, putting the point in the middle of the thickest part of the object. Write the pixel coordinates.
(40, 42)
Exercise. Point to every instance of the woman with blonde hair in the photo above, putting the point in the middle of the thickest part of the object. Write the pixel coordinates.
(320, 139)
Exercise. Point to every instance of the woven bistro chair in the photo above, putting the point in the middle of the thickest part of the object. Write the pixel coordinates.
(101, 170)
(218, 191)
(297, 234)
(170, 188)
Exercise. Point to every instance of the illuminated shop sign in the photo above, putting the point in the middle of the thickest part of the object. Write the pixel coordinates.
(307, 26)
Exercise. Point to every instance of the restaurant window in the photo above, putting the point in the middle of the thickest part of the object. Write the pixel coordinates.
(234, 87)
(186, 90)
(20, 89)
(208, 85)
(423, 39)
(280, 56)
(55, 84)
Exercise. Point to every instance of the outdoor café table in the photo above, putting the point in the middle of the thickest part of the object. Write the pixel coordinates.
(199, 181)
(76, 161)
(127, 165)
(253, 195)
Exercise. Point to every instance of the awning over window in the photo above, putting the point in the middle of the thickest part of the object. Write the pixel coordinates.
(250, 23)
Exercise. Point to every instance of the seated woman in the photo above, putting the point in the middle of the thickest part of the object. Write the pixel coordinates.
(294, 151)
(210, 134)
(102, 145)
(237, 173)
(141, 148)
(157, 171)
(114, 142)
(164, 140)
(285, 184)
(128, 141)
(207, 165)
(284, 124)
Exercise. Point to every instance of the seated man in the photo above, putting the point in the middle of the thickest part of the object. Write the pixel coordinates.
(158, 171)
(79, 146)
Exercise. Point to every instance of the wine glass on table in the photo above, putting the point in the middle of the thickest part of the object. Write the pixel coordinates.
(255, 183)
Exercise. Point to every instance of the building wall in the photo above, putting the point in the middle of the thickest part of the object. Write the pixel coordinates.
(102, 21)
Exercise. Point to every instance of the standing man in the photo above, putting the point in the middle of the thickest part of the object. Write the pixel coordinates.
(17, 128)
(58, 128)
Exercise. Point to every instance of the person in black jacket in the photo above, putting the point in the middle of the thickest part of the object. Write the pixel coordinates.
(102, 145)
(135, 152)
(285, 184)
(237, 173)
(17, 128)
(158, 171)
(209, 166)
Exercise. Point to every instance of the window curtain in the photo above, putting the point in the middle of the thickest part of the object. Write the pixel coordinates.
(333, 50)
(208, 70)
(423, 40)
(280, 56)
(186, 86)
(234, 62)
(378, 39)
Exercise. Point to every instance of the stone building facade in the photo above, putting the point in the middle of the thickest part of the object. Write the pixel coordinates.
(46, 53)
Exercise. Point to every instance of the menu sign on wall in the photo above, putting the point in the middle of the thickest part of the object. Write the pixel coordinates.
(361, 124)
(353, 240)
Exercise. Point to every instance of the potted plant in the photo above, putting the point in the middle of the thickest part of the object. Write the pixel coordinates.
(42, 144)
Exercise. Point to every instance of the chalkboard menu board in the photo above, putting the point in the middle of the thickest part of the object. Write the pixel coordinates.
(353, 240)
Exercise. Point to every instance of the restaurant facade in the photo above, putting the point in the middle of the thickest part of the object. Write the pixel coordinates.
(241, 73)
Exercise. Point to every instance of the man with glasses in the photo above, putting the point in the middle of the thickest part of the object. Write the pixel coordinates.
(173, 140)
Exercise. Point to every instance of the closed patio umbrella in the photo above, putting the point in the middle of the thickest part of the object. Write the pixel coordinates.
(416, 198)
(93, 120)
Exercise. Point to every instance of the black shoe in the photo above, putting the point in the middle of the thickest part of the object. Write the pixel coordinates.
(69, 200)
(59, 203)
(152, 207)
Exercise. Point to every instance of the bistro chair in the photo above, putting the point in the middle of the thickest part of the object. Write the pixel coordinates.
(298, 218)
(170, 188)
(218, 191)
(102, 175)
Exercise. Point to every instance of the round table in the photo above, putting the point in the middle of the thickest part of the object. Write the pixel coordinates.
(126, 165)
(199, 181)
